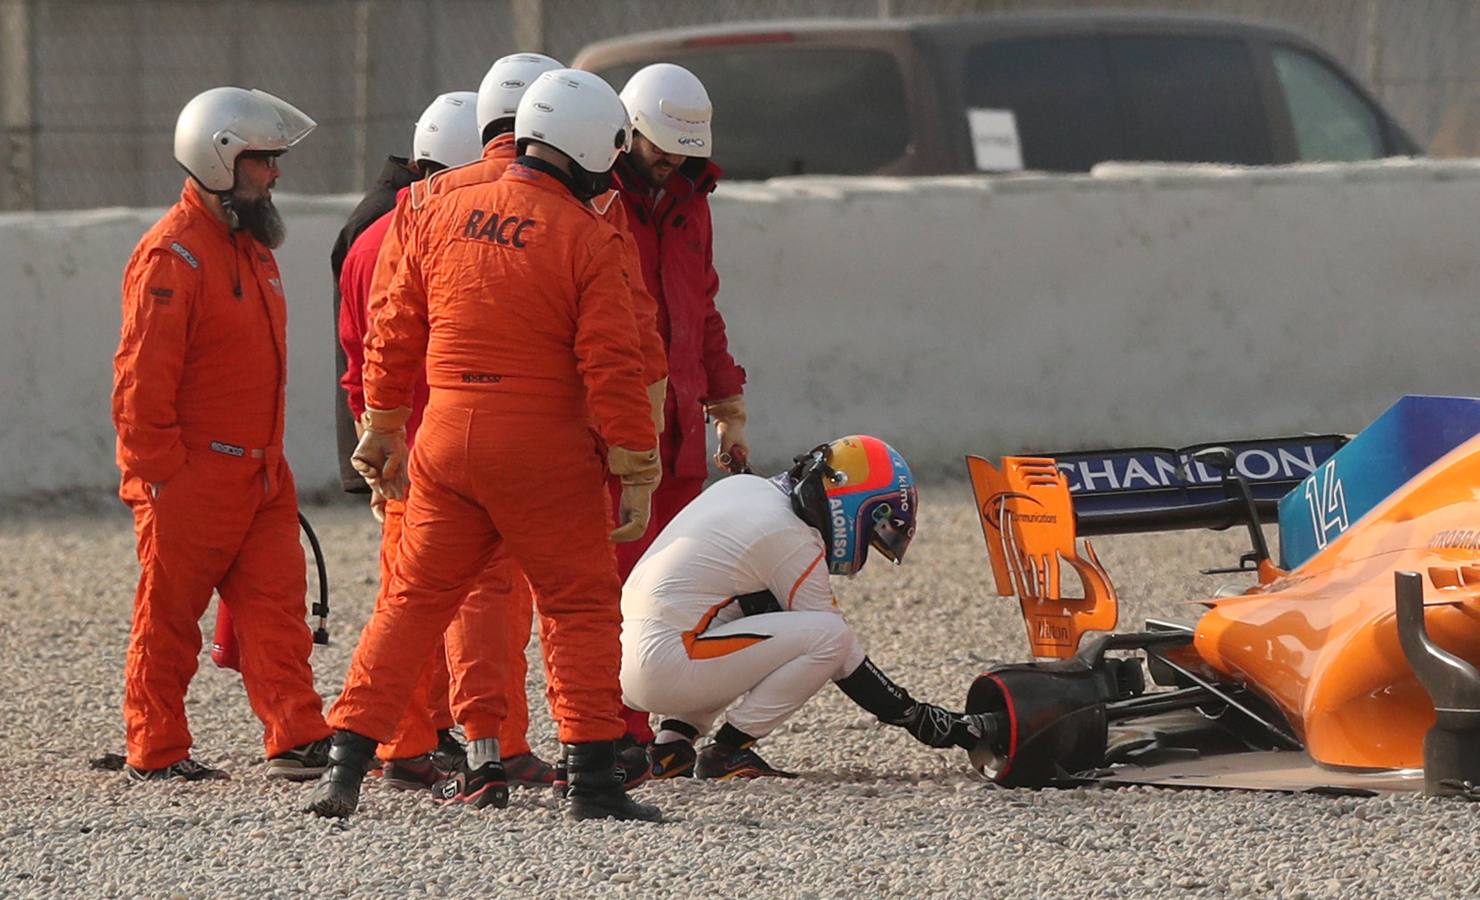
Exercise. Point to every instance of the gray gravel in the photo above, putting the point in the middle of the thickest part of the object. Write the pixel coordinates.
(874, 812)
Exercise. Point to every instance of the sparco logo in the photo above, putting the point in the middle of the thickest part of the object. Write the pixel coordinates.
(184, 254)
(839, 528)
(228, 449)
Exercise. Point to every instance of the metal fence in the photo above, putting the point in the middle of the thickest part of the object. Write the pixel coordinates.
(89, 89)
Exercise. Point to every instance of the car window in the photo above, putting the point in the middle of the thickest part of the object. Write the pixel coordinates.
(798, 109)
(1058, 91)
(1331, 121)
(1189, 99)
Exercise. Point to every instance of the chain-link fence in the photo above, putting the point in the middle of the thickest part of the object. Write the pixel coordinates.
(89, 89)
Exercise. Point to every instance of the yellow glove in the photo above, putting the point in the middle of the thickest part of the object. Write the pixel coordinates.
(640, 471)
(658, 396)
(381, 455)
(729, 426)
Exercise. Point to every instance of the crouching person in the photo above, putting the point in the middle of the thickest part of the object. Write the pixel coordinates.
(733, 602)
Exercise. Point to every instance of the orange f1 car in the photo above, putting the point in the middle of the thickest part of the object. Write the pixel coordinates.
(1353, 671)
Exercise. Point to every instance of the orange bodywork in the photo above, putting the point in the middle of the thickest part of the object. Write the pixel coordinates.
(1321, 643)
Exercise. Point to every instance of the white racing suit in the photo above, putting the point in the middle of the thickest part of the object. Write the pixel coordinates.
(732, 601)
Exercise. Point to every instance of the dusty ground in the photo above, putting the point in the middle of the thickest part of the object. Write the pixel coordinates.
(875, 813)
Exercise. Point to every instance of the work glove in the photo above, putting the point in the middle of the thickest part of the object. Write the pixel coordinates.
(936, 726)
(729, 425)
(381, 455)
(377, 504)
(658, 396)
(640, 471)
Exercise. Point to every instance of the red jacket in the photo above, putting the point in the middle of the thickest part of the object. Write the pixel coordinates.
(202, 361)
(354, 289)
(676, 241)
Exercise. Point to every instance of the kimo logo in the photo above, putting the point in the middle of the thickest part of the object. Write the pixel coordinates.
(839, 529)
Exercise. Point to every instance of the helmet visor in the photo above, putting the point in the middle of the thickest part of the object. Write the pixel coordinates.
(292, 125)
(891, 534)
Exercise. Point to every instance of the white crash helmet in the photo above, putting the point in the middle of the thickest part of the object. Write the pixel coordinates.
(447, 132)
(218, 125)
(670, 107)
(504, 85)
(578, 114)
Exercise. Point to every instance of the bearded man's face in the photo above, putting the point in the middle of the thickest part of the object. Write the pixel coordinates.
(251, 199)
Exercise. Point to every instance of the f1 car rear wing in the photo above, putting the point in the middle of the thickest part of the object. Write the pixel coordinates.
(1027, 520)
(1162, 489)
(1034, 508)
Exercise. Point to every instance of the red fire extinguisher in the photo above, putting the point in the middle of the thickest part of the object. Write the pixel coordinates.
(226, 652)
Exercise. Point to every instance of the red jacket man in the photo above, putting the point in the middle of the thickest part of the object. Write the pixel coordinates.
(198, 398)
(665, 181)
(353, 286)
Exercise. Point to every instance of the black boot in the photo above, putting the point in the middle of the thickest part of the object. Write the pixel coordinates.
(338, 792)
(596, 790)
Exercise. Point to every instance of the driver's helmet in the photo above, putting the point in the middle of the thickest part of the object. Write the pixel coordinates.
(858, 492)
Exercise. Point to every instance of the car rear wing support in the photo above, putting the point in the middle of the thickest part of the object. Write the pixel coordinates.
(1451, 749)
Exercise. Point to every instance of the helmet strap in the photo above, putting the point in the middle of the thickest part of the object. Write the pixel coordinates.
(497, 127)
(582, 183)
(809, 477)
(586, 185)
(233, 221)
(568, 178)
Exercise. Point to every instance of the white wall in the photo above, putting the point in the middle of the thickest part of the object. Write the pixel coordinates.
(60, 275)
(1142, 304)
(1148, 304)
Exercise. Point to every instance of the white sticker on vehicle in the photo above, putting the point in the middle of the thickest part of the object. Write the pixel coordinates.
(994, 140)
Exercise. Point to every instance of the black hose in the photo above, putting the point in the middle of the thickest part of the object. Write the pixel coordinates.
(320, 608)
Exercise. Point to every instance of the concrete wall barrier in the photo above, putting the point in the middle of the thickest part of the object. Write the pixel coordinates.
(1141, 304)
